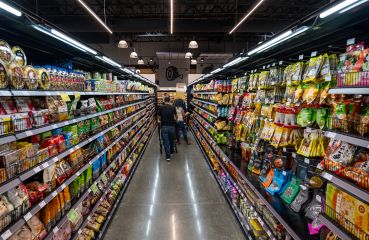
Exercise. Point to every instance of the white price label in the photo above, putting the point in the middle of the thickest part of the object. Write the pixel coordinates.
(78, 173)
(6, 234)
(37, 169)
(313, 54)
(42, 204)
(284, 149)
(293, 155)
(63, 186)
(79, 231)
(29, 133)
(56, 229)
(327, 176)
(350, 41)
(54, 193)
(54, 126)
(27, 216)
(280, 62)
(273, 64)
(331, 134)
(328, 78)
(303, 187)
(318, 198)
(301, 57)
(45, 165)
(306, 160)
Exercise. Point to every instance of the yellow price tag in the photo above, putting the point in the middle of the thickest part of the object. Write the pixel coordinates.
(65, 97)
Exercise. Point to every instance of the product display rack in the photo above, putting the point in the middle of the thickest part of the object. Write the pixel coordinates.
(108, 221)
(13, 228)
(78, 232)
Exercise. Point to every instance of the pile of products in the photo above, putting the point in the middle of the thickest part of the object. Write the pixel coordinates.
(16, 74)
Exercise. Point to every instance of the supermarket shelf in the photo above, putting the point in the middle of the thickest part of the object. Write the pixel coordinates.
(117, 202)
(206, 102)
(83, 225)
(345, 185)
(50, 127)
(34, 210)
(86, 193)
(60, 156)
(364, 91)
(7, 139)
(334, 228)
(349, 139)
(261, 221)
(295, 224)
(24, 93)
(210, 123)
(245, 227)
(205, 110)
(206, 92)
(9, 185)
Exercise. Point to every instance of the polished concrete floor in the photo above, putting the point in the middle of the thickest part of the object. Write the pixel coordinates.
(179, 200)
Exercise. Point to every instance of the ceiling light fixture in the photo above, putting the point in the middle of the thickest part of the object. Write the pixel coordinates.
(193, 61)
(279, 39)
(353, 6)
(202, 59)
(151, 60)
(171, 16)
(247, 15)
(122, 44)
(337, 8)
(133, 54)
(95, 16)
(193, 44)
(10, 9)
(140, 61)
(188, 55)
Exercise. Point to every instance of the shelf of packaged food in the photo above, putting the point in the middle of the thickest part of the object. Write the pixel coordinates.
(359, 90)
(124, 188)
(27, 93)
(334, 228)
(83, 225)
(206, 101)
(205, 110)
(86, 193)
(207, 121)
(34, 210)
(53, 160)
(7, 139)
(261, 221)
(358, 141)
(50, 127)
(245, 227)
(347, 186)
(294, 223)
(206, 92)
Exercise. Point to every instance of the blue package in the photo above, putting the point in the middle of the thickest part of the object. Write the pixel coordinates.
(58, 131)
(287, 181)
(100, 143)
(277, 183)
(68, 139)
(103, 160)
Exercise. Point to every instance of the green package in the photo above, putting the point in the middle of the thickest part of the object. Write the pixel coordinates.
(94, 123)
(74, 189)
(87, 126)
(88, 176)
(291, 190)
(81, 183)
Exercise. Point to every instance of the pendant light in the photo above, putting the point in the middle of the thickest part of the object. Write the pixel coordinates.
(140, 61)
(193, 44)
(193, 61)
(188, 55)
(133, 54)
(122, 44)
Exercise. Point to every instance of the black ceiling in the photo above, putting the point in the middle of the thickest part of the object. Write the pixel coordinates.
(208, 20)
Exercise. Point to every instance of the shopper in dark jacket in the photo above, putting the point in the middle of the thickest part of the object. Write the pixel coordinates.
(167, 117)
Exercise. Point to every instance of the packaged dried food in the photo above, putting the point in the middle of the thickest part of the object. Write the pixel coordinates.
(16, 76)
(6, 54)
(30, 76)
(19, 56)
(4, 74)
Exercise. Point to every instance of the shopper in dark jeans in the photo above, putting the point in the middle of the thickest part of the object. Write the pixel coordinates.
(167, 116)
(181, 114)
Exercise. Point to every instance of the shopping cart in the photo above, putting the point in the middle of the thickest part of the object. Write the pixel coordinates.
(161, 143)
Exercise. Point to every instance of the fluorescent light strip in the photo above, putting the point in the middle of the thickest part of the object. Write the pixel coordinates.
(171, 16)
(277, 40)
(95, 16)
(10, 9)
(337, 8)
(41, 29)
(247, 15)
(353, 6)
(72, 41)
(108, 60)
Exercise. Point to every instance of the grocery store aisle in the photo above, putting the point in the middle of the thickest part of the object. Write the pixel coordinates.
(179, 200)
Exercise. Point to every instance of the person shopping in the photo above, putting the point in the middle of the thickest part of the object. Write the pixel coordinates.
(180, 110)
(167, 118)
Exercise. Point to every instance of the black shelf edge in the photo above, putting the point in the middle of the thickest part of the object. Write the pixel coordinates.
(334, 228)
